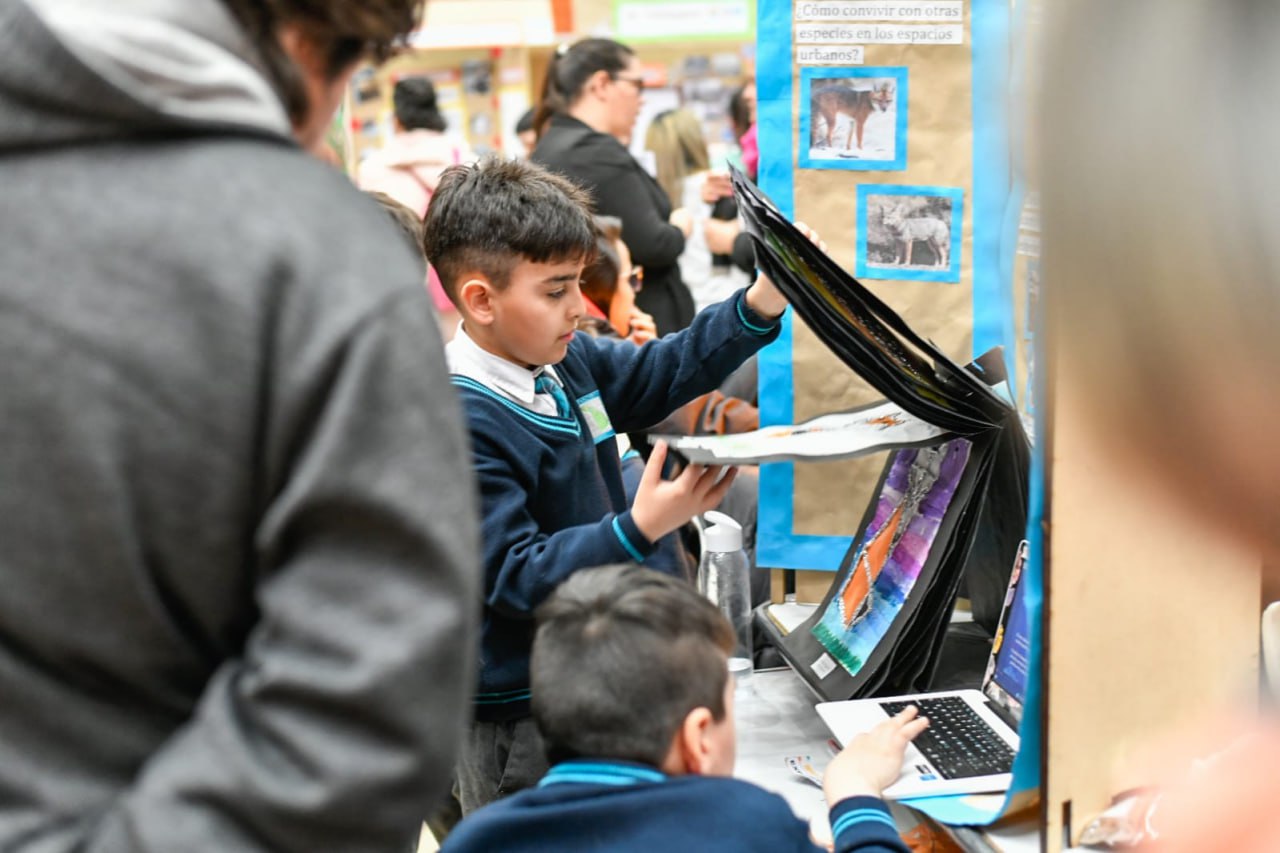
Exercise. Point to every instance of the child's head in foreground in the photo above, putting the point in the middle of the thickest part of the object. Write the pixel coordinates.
(509, 240)
(631, 664)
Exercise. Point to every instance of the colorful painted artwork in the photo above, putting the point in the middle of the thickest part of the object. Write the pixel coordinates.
(895, 546)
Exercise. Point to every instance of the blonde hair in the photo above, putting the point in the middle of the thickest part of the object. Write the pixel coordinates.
(679, 150)
(1161, 199)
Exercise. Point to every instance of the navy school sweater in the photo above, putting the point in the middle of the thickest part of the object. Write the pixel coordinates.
(552, 497)
(622, 807)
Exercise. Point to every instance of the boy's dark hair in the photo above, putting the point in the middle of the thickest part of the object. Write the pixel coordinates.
(621, 656)
(414, 99)
(570, 70)
(344, 31)
(489, 217)
(405, 218)
(600, 277)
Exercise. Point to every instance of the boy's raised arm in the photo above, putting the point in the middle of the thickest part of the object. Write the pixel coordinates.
(642, 385)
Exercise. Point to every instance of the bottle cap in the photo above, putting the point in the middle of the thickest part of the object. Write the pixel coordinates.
(723, 534)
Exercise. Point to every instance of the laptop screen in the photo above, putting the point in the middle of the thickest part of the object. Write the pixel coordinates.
(1007, 670)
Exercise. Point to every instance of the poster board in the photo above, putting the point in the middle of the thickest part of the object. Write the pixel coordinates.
(883, 124)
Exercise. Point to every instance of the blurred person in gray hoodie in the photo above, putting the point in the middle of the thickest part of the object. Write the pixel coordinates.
(238, 544)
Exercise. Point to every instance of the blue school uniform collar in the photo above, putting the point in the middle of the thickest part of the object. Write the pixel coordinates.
(595, 771)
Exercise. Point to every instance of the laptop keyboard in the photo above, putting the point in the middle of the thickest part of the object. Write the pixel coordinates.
(958, 743)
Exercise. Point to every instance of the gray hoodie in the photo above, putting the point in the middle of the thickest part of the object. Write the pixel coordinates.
(238, 571)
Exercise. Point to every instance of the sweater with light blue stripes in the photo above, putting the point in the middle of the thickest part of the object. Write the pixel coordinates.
(623, 807)
(552, 496)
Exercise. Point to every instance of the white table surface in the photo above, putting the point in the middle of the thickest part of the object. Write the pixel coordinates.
(775, 719)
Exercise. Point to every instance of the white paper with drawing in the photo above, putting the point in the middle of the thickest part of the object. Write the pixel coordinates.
(840, 435)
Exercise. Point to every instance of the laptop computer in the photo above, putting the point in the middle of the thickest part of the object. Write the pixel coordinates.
(973, 734)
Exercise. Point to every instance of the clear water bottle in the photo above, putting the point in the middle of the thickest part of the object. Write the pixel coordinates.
(724, 577)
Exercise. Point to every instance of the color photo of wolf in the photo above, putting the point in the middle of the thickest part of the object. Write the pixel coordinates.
(854, 118)
(909, 232)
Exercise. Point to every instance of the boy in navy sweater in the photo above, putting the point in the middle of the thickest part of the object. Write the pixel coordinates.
(633, 698)
(544, 405)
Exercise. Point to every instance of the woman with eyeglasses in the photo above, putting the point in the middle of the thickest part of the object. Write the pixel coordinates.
(590, 100)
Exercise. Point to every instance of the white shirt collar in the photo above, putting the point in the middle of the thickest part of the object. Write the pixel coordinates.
(467, 358)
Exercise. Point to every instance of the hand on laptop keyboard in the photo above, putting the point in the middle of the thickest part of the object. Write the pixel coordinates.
(959, 744)
(872, 761)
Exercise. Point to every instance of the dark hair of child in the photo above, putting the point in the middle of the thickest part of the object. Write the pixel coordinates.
(489, 217)
(621, 656)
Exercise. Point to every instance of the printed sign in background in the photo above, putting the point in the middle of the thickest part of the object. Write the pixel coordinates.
(665, 20)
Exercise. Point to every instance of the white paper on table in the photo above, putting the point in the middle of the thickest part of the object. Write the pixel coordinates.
(840, 435)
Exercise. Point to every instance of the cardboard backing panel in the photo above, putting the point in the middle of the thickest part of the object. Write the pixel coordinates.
(1152, 620)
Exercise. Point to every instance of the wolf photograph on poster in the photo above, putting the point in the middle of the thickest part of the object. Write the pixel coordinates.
(909, 232)
(853, 118)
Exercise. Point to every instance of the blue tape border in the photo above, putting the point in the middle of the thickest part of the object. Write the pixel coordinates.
(899, 75)
(992, 291)
(951, 273)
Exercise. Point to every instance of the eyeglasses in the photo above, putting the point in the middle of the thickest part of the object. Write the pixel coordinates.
(636, 279)
(638, 82)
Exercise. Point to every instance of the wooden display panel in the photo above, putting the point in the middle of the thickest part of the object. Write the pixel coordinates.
(1152, 620)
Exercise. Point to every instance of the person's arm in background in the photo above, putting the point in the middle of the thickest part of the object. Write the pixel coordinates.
(743, 253)
(725, 237)
(337, 725)
(728, 238)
